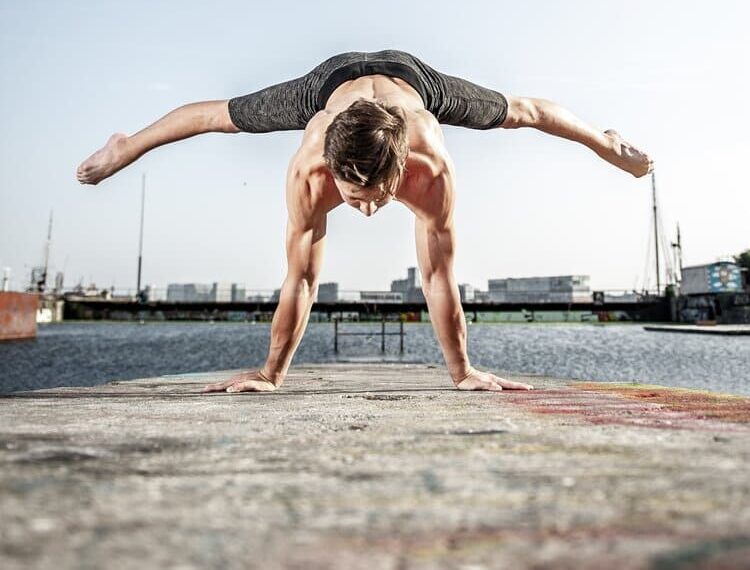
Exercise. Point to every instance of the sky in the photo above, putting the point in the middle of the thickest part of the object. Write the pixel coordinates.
(670, 76)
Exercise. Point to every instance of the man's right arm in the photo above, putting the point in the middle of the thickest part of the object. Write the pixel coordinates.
(305, 244)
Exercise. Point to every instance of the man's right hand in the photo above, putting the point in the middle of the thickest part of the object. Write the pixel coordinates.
(247, 381)
(477, 380)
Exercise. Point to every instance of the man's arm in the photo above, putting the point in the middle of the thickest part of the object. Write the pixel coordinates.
(436, 239)
(305, 245)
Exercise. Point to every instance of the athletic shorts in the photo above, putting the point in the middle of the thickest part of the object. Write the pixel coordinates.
(289, 106)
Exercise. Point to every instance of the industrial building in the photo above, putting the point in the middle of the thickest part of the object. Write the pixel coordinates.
(713, 292)
(410, 288)
(719, 277)
(328, 292)
(203, 292)
(381, 297)
(555, 289)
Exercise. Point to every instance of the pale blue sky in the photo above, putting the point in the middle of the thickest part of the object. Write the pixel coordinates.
(670, 75)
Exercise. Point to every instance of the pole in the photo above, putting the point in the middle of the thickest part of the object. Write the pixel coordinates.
(679, 250)
(401, 333)
(382, 335)
(140, 240)
(42, 285)
(335, 335)
(656, 231)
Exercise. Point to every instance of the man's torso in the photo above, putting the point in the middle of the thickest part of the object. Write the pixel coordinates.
(427, 163)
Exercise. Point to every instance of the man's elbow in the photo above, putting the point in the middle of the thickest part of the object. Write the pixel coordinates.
(436, 283)
(303, 284)
(523, 112)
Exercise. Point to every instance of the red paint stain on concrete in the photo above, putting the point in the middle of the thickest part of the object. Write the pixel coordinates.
(645, 406)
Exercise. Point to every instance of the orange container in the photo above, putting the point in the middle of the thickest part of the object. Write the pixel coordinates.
(18, 315)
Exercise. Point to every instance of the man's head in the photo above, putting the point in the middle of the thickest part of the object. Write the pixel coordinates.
(365, 149)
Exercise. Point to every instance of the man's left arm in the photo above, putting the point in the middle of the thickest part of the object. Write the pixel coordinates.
(435, 248)
(436, 240)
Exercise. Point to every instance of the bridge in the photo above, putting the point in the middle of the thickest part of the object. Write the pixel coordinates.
(654, 309)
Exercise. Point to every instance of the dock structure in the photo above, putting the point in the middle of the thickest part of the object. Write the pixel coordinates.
(363, 466)
(723, 330)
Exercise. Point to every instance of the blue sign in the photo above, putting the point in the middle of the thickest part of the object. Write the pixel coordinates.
(724, 277)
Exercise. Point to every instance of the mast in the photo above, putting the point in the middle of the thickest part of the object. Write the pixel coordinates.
(677, 246)
(140, 240)
(656, 231)
(42, 280)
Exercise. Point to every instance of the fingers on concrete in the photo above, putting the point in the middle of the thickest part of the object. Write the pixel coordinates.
(218, 386)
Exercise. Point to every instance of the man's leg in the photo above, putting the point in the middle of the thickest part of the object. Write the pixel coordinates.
(555, 120)
(183, 122)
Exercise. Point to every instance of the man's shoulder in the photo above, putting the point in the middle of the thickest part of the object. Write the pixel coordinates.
(310, 192)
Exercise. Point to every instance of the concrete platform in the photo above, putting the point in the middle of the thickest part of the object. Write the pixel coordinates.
(373, 466)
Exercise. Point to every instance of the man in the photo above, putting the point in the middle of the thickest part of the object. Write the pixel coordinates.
(371, 135)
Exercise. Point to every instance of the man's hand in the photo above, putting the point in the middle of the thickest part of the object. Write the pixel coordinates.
(477, 380)
(249, 381)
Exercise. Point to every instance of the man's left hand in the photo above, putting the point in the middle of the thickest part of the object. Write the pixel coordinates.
(248, 381)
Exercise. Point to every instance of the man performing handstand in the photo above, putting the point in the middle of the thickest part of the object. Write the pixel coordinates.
(372, 134)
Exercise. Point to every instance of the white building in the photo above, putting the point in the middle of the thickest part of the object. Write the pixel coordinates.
(555, 289)
(381, 297)
(189, 292)
(467, 292)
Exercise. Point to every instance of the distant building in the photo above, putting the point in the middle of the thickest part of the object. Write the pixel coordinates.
(467, 293)
(221, 292)
(410, 288)
(189, 293)
(381, 297)
(328, 292)
(481, 296)
(555, 289)
(151, 293)
(204, 293)
(719, 277)
(238, 293)
(276, 296)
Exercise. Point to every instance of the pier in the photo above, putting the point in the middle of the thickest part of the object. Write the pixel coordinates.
(373, 466)
(723, 330)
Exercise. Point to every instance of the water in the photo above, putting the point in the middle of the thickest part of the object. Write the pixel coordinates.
(85, 354)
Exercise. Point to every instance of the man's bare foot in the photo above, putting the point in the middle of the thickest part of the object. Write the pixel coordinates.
(627, 157)
(105, 161)
(477, 380)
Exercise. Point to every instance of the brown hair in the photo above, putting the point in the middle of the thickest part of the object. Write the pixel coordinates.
(367, 144)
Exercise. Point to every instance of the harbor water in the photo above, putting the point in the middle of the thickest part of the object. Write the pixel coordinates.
(89, 353)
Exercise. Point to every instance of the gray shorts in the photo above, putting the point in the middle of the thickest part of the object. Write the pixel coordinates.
(290, 105)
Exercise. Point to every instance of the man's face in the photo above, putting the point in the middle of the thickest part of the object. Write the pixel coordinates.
(367, 200)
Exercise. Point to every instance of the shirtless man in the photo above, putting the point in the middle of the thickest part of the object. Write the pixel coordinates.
(371, 136)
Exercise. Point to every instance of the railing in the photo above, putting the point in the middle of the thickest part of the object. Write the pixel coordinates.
(383, 334)
(344, 296)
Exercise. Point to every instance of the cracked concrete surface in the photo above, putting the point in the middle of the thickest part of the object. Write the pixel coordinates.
(373, 466)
